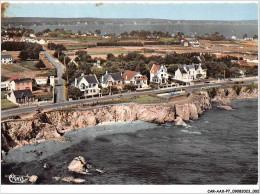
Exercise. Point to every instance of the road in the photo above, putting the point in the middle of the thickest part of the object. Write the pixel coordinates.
(16, 111)
(58, 88)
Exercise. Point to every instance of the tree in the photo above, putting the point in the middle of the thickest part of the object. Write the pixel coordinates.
(255, 37)
(74, 92)
(244, 36)
(40, 64)
(98, 32)
(130, 87)
(23, 55)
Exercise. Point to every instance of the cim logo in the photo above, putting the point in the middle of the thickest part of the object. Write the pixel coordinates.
(17, 178)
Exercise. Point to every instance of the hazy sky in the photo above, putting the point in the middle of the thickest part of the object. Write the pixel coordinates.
(184, 11)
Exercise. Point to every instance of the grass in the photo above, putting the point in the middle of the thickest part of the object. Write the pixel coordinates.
(75, 47)
(6, 104)
(29, 65)
(135, 99)
(48, 73)
(12, 68)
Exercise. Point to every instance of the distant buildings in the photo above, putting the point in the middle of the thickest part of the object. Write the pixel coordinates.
(158, 74)
(6, 59)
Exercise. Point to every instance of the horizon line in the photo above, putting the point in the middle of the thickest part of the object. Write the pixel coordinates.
(126, 18)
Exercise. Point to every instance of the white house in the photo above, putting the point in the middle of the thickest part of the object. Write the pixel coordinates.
(188, 73)
(88, 84)
(135, 78)
(6, 59)
(158, 74)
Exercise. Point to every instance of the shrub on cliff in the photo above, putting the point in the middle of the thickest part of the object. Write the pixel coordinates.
(212, 92)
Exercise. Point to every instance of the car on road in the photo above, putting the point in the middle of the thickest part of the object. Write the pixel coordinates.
(38, 110)
(14, 117)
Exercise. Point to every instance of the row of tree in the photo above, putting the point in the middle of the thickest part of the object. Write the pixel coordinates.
(28, 50)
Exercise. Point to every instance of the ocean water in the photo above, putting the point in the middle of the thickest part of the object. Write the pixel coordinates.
(219, 148)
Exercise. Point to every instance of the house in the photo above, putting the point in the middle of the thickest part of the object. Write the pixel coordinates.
(21, 84)
(188, 73)
(88, 84)
(97, 64)
(243, 63)
(21, 96)
(135, 78)
(112, 79)
(185, 43)
(158, 74)
(41, 80)
(6, 59)
(233, 37)
(4, 85)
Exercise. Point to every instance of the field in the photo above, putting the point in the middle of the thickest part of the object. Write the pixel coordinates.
(29, 65)
(6, 104)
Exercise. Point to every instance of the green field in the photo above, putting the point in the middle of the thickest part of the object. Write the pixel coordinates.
(12, 68)
(29, 65)
(6, 104)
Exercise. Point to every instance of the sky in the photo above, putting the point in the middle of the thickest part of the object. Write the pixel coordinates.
(174, 11)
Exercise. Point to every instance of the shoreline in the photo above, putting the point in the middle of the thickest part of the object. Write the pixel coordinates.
(27, 153)
(54, 125)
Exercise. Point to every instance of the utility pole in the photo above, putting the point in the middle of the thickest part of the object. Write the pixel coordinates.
(53, 92)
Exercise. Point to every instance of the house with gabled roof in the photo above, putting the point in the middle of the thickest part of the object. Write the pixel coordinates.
(88, 84)
(112, 79)
(133, 77)
(158, 74)
(188, 73)
(21, 96)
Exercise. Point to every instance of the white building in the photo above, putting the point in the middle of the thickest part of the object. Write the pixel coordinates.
(41, 80)
(188, 73)
(88, 84)
(158, 74)
(133, 77)
(6, 59)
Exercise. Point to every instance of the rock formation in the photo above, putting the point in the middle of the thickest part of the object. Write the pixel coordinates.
(51, 125)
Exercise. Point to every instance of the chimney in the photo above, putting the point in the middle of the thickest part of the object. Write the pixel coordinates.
(106, 72)
(125, 77)
(82, 74)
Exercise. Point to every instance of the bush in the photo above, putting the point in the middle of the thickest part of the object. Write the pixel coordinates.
(40, 64)
(130, 86)
(74, 92)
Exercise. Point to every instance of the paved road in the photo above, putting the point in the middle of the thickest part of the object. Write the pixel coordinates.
(78, 102)
(58, 88)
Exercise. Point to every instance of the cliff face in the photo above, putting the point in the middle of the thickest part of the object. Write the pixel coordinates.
(51, 125)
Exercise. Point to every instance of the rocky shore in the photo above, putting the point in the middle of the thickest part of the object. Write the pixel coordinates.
(52, 125)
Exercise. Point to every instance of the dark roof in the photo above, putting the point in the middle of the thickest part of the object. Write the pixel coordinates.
(6, 56)
(21, 93)
(90, 79)
(116, 76)
(23, 80)
(183, 70)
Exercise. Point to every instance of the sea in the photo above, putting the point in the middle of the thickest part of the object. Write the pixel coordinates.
(221, 147)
